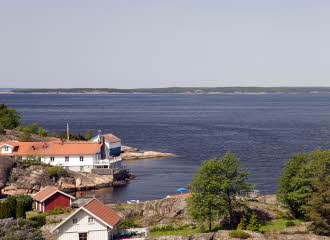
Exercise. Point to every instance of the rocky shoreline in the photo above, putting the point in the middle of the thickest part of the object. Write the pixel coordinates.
(132, 153)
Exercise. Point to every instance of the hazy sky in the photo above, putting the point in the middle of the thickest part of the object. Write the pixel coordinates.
(163, 43)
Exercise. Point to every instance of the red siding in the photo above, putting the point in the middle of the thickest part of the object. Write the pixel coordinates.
(57, 200)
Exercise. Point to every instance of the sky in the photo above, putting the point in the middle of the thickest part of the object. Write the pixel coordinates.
(164, 43)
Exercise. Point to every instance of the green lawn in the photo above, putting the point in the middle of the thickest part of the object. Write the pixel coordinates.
(182, 232)
(277, 224)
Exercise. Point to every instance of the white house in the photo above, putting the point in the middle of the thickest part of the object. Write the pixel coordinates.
(77, 156)
(113, 143)
(93, 221)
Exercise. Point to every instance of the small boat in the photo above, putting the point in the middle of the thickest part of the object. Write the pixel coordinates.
(133, 201)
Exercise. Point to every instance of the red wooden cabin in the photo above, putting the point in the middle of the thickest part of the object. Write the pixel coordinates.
(50, 197)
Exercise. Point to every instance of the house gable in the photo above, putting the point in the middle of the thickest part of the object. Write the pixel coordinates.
(82, 224)
(6, 148)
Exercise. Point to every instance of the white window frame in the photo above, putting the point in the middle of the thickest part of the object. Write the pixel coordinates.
(67, 158)
(81, 158)
(74, 220)
(52, 159)
(6, 149)
(91, 220)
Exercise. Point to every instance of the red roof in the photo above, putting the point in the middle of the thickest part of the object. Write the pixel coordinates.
(102, 212)
(111, 138)
(46, 192)
(53, 148)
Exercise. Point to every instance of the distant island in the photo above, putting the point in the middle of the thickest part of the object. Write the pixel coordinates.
(171, 90)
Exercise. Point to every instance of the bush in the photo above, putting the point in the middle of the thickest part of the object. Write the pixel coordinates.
(290, 224)
(20, 229)
(162, 228)
(9, 118)
(57, 211)
(254, 225)
(128, 223)
(42, 132)
(242, 224)
(27, 202)
(239, 234)
(56, 172)
(20, 211)
(25, 137)
(39, 219)
(2, 130)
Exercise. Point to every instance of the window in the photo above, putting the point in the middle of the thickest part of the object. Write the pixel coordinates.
(75, 220)
(90, 220)
(81, 158)
(6, 149)
(82, 236)
(52, 159)
(67, 158)
(81, 168)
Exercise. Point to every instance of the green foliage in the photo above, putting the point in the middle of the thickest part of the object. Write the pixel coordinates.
(42, 132)
(295, 184)
(129, 223)
(57, 211)
(243, 223)
(39, 219)
(254, 225)
(304, 186)
(89, 134)
(239, 234)
(290, 223)
(215, 188)
(27, 202)
(318, 207)
(20, 211)
(9, 118)
(2, 130)
(56, 172)
(162, 228)
(63, 135)
(25, 137)
(8, 208)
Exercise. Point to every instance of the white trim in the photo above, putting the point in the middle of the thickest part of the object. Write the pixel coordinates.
(7, 145)
(81, 208)
(58, 191)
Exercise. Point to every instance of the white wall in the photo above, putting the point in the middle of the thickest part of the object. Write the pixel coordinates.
(74, 160)
(69, 231)
(3, 149)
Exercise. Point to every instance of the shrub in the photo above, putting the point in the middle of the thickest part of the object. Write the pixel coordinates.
(27, 202)
(56, 172)
(290, 224)
(25, 137)
(42, 132)
(162, 228)
(20, 211)
(9, 118)
(128, 223)
(20, 229)
(2, 130)
(239, 234)
(242, 224)
(57, 211)
(254, 224)
(39, 219)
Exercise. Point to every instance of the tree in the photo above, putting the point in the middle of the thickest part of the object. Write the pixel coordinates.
(216, 187)
(27, 202)
(56, 172)
(89, 134)
(318, 206)
(42, 132)
(9, 118)
(25, 137)
(295, 184)
(2, 130)
(20, 211)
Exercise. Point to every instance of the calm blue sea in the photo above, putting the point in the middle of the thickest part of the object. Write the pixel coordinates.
(263, 130)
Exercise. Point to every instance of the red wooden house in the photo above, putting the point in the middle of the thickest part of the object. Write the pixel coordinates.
(50, 197)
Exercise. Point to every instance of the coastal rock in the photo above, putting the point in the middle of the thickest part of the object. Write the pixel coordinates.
(30, 179)
(144, 155)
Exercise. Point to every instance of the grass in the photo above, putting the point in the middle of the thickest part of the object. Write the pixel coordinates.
(277, 224)
(239, 234)
(182, 232)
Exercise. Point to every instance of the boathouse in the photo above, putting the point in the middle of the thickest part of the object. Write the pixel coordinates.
(49, 198)
(112, 142)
